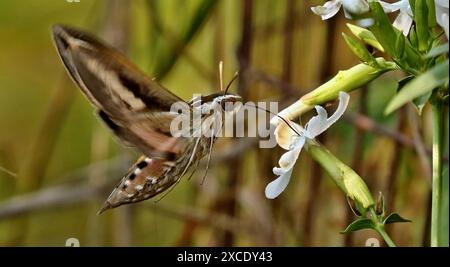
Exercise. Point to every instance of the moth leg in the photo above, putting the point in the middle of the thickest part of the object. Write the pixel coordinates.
(194, 151)
(209, 160)
(193, 171)
(210, 150)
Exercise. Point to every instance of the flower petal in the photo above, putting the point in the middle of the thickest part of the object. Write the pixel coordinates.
(278, 171)
(356, 7)
(442, 3)
(343, 103)
(318, 124)
(328, 10)
(442, 17)
(277, 186)
(284, 133)
(444, 23)
(365, 23)
(347, 14)
(403, 23)
(389, 8)
(288, 159)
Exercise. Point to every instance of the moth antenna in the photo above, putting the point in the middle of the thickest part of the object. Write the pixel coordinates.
(283, 119)
(236, 74)
(221, 75)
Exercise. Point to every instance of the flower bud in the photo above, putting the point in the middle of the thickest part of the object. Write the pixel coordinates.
(344, 177)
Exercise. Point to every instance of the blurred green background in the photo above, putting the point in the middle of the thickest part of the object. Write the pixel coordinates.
(67, 163)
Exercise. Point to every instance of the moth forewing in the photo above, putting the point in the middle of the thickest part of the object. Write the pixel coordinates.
(109, 80)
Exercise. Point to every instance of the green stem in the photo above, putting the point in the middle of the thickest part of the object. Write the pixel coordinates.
(385, 236)
(380, 229)
(437, 172)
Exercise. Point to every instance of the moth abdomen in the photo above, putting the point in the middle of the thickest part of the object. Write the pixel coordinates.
(144, 180)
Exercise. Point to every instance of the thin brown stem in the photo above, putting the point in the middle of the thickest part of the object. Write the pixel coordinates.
(391, 187)
(357, 163)
(288, 41)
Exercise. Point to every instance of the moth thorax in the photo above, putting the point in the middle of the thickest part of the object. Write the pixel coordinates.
(230, 103)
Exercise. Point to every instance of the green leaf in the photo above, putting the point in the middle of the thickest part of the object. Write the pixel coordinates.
(421, 101)
(359, 224)
(413, 37)
(431, 13)
(387, 35)
(404, 82)
(421, 19)
(422, 84)
(400, 45)
(360, 51)
(394, 218)
(412, 4)
(438, 50)
(366, 36)
(382, 28)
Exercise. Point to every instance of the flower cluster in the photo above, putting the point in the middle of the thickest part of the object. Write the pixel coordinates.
(402, 22)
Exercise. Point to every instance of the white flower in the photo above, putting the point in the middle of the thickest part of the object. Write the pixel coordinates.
(328, 10)
(402, 22)
(442, 8)
(293, 141)
(331, 8)
(404, 19)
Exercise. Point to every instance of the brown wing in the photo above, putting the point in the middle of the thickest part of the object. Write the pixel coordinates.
(134, 106)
